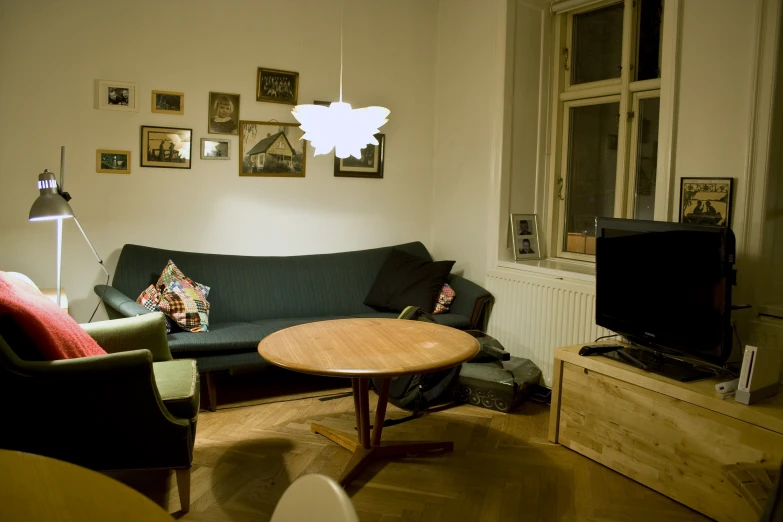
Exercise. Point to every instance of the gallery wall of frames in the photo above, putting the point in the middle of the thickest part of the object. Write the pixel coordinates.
(265, 148)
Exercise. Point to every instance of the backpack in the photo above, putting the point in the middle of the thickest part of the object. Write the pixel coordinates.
(419, 392)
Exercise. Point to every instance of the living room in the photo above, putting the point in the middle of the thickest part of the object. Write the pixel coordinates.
(478, 93)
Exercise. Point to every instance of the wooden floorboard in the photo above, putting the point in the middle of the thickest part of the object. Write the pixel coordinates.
(503, 468)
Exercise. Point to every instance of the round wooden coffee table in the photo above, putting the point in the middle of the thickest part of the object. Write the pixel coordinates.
(33, 487)
(363, 349)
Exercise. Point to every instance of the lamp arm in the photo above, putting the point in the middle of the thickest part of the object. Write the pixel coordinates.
(100, 261)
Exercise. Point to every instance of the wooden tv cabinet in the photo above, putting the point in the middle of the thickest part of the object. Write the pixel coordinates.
(670, 436)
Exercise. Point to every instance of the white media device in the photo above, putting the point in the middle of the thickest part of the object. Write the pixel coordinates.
(759, 375)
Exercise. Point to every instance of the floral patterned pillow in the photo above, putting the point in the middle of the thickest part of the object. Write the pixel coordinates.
(445, 299)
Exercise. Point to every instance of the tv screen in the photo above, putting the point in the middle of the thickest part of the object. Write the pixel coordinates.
(666, 285)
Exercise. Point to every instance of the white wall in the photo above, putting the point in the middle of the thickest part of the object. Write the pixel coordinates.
(468, 88)
(51, 52)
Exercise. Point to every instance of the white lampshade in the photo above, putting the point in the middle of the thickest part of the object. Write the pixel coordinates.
(340, 127)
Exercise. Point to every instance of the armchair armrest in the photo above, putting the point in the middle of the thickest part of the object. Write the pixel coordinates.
(119, 304)
(472, 301)
(144, 332)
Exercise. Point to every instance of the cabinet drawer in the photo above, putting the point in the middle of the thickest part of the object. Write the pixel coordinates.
(669, 445)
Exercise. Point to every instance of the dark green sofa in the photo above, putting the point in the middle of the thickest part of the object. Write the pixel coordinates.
(252, 297)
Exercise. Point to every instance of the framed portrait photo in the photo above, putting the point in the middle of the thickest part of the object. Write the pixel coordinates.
(271, 149)
(111, 95)
(370, 165)
(223, 113)
(112, 161)
(524, 237)
(215, 148)
(277, 86)
(706, 201)
(167, 147)
(168, 102)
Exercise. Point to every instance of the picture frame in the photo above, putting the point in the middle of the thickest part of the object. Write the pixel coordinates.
(322, 103)
(369, 166)
(706, 201)
(223, 111)
(166, 147)
(276, 86)
(168, 102)
(272, 149)
(215, 149)
(113, 95)
(524, 237)
(112, 161)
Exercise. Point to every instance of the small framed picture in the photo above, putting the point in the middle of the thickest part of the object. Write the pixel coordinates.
(277, 86)
(223, 113)
(706, 201)
(111, 95)
(112, 161)
(322, 103)
(168, 102)
(166, 147)
(524, 237)
(370, 165)
(215, 148)
(271, 149)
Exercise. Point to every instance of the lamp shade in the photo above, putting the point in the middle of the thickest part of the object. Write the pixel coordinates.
(50, 204)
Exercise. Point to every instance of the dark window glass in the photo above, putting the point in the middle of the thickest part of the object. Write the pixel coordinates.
(597, 45)
(648, 66)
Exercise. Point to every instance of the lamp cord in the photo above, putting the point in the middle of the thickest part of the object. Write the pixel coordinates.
(342, 21)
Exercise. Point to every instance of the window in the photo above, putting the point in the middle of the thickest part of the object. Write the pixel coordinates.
(607, 112)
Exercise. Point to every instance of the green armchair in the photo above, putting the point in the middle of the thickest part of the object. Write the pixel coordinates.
(134, 408)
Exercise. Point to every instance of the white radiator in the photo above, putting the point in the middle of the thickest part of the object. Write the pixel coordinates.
(767, 332)
(536, 313)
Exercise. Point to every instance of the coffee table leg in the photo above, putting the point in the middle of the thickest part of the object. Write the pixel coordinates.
(356, 408)
(364, 413)
(380, 411)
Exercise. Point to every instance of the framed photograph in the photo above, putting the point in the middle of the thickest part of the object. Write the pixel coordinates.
(215, 148)
(111, 95)
(168, 102)
(369, 166)
(271, 149)
(166, 147)
(706, 201)
(277, 86)
(322, 103)
(223, 113)
(524, 237)
(112, 161)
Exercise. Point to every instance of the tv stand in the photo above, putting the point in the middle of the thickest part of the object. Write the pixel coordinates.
(674, 437)
(659, 363)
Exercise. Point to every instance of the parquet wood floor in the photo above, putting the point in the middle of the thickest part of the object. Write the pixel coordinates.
(503, 469)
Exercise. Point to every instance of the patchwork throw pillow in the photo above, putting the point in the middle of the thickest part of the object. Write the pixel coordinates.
(407, 280)
(445, 299)
(182, 300)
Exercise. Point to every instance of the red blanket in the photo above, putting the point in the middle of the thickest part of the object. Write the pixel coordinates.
(49, 327)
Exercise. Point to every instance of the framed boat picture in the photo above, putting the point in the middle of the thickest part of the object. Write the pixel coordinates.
(706, 201)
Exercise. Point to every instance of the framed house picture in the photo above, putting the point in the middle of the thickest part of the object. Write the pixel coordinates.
(271, 149)
(277, 86)
(706, 201)
(524, 237)
(223, 113)
(112, 161)
(215, 148)
(168, 102)
(370, 165)
(167, 147)
(112, 95)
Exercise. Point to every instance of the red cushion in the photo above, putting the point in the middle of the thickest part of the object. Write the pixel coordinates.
(49, 327)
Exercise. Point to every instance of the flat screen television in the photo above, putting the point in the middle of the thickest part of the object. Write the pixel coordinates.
(666, 286)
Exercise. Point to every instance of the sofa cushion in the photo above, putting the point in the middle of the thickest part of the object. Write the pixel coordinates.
(178, 385)
(445, 299)
(183, 300)
(407, 280)
(233, 337)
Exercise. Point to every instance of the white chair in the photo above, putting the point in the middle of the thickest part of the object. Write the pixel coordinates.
(314, 498)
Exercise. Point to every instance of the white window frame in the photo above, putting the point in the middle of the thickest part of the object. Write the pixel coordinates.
(566, 96)
(634, 146)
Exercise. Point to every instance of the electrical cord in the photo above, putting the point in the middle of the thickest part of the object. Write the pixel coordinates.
(605, 337)
(102, 295)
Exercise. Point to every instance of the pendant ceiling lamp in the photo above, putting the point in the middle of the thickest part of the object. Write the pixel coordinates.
(339, 126)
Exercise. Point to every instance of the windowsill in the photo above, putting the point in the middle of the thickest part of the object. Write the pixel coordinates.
(561, 268)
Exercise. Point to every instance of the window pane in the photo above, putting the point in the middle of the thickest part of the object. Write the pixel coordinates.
(648, 65)
(597, 45)
(646, 158)
(592, 172)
